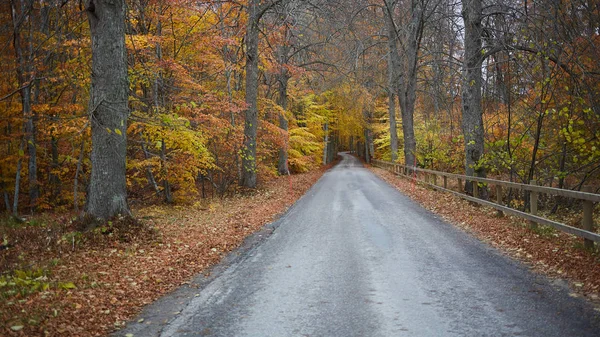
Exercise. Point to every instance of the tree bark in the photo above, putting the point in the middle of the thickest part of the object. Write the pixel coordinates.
(408, 82)
(325, 142)
(249, 169)
(282, 79)
(405, 74)
(149, 174)
(23, 44)
(15, 209)
(393, 66)
(108, 109)
(76, 181)
(472, 119)
(165, 173)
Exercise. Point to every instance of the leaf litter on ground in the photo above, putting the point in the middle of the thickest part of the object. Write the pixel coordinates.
(108, 277)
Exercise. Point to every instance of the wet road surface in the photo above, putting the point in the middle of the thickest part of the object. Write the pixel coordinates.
(354, 257)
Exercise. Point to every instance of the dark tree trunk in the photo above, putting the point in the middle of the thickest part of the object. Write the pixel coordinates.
(15, 210)
(23, 35)
(472, 119)
(53, 178)
(282, 79)
(408, 82)
(393, 66)
(405, 74)
(165, 173)
(149, 173)
(249, 169)
(325, 142)
(76, 181)
(108, 109)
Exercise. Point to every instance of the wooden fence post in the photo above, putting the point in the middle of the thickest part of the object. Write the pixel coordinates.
(588, 222)
(533, 204)
(499, 199)
(475, 189)
(445, 182)
(435, 179)
(460, 185)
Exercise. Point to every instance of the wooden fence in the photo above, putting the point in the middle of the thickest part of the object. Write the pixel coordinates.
(431, 179)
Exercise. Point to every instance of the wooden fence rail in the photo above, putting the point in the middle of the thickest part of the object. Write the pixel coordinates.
(588, 198)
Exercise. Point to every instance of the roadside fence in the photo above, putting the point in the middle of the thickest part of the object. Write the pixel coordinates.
(430, 178)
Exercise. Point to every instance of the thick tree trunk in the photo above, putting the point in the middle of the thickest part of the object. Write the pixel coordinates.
(406, 72)
(408, 82)
(407, 107)
(108, 109)
(249, 169)
(472, 119)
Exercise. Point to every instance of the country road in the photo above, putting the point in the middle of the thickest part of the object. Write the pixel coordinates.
(354, 257)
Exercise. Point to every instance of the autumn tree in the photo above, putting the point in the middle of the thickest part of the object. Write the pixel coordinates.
(255, 11)
(108, 109)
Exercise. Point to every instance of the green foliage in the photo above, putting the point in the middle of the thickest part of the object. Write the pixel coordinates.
(23, 283)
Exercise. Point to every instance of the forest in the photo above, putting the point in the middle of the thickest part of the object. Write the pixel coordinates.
(168, 100)
(141, 140)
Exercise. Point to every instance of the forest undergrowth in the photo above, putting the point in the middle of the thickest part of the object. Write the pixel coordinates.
(58, 280)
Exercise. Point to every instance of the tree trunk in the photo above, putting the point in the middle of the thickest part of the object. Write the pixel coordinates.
(15, 210)
(408, 82)
(283, 78)
(406, 71)
(407, 107)
(108, 109)
(249, 170)
(326, 142)
(165, 172)
(472, 119)
(23, 45)
(77, 173)
(149, 174)
(53, 178)
(393, 66)
(6, 198)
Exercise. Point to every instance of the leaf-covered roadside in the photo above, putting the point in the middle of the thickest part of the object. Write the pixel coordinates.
(95, 286)
(549, 252)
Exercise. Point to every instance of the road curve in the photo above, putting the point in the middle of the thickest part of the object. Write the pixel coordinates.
(354, 257)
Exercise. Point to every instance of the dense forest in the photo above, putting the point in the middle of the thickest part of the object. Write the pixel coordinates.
(107, 101)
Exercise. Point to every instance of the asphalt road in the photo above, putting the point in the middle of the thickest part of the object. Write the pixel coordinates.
(354, 257)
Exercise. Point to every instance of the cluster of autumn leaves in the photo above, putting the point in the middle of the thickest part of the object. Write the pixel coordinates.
(186, 99)
(323, 85)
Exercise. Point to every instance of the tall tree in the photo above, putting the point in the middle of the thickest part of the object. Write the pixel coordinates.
(24, 52)
(393, 68)
(108, 109)
(255, 10)
(472, 118)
